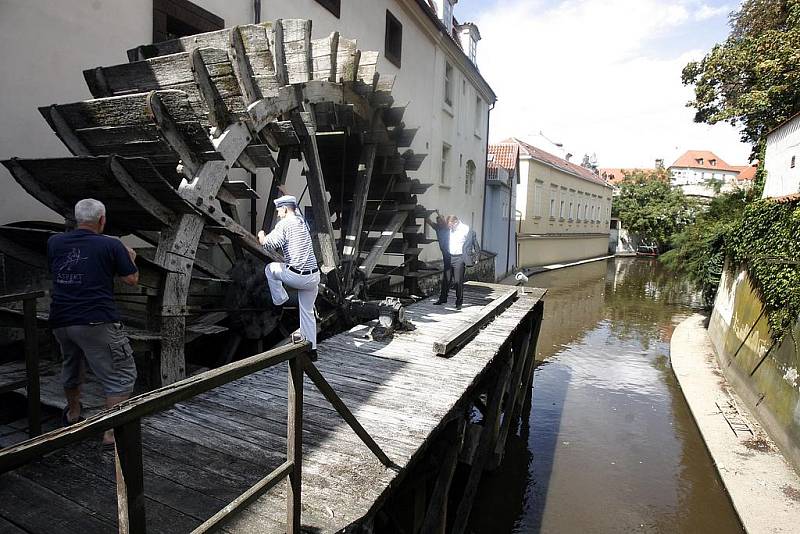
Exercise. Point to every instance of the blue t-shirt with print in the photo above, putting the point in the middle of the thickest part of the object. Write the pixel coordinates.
(83, 265)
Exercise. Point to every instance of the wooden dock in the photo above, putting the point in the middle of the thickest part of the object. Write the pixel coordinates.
(201, 454)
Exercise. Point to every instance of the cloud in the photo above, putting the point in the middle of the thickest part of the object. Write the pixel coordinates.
(600, 76)
(705, 11)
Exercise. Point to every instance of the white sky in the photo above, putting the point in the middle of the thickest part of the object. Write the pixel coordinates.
(601, 76)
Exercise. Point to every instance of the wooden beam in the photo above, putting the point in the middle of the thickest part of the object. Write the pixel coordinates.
(169, 130)
(387, 235)
(17, 297)
(436, 516)
(352, 237)
(242, 69)
(447, 344)
(218, 114)
(242, 501)
(294, 444)
(485, 446)
(130, 478)
(145, 404)
(530, 361)
(65, 132)
(278, 179)
(328, 392)
(139, 194)
(280, 57)
(323, 228)
(32, 365)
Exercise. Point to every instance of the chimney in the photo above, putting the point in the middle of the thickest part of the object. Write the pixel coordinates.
(569, 155)
(659, 164)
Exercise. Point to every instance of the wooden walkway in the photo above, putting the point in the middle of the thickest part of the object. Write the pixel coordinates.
(201, 454)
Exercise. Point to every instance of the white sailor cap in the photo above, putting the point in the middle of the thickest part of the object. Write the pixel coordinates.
(286, 200)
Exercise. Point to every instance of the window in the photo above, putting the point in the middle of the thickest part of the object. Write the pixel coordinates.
(561, 210)
(478, 116)
(713, 162)
(473, 50)
(578, 212)
(469, 177)
(537, 200)
(448, 83)
(552, 204)
(179, 18)
(334, 6)
(443, 178)
(791, 164)
(394, 39)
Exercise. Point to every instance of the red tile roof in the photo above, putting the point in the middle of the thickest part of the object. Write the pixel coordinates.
(701, 159)
(786, 199)
(616, 176)
(554, 161)
(505, 155)
(746, 172)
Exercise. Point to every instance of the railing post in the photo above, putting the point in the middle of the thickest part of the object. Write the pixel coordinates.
(32, 367)
(294, 444)
(130, 478)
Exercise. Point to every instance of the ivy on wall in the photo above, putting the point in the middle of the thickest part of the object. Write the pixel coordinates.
(767, 242)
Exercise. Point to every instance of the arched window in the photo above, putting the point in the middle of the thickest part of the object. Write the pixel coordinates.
(469, 178)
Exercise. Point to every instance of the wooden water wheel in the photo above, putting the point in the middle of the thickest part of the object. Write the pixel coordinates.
(156, 145)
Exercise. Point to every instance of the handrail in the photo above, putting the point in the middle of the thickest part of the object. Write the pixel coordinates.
(31, 356)
(145, 404)
(125, 420)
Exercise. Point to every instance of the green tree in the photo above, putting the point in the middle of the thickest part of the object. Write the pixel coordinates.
(751, 80)
(649, 207)
(699, 249)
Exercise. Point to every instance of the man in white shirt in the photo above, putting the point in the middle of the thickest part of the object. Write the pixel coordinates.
(299, 270)
(459, 232)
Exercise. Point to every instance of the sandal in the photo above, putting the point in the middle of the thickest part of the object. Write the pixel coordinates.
(65, 420)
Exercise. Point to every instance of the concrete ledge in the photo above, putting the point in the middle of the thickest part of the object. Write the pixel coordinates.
(763, 487)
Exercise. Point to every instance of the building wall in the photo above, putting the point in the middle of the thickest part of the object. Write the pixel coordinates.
(496, 228)
(782, 160)
(703, 182)
(59, 43)
(566, 235)
(547, 250)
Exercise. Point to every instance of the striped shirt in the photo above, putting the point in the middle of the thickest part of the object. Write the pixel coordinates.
(291, 235)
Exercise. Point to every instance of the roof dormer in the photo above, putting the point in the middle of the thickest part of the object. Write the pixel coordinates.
(444, 10)
(469, 36)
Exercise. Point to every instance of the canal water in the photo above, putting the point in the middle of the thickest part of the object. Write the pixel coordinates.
(609, 444)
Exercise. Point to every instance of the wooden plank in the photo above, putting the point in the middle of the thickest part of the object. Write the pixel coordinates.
(140, 195)
(65, 132)
(145, 404)
(278, 179)
(130, 478)
(30, 184)
(447, 344)
(17, 297)
(352, 237)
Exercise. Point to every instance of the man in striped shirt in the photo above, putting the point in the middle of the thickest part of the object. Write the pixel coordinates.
(299, 270)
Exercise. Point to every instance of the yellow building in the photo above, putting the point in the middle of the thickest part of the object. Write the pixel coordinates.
(563, 210)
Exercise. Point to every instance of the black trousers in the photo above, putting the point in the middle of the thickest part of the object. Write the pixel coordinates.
(459, 269)
(447, 277)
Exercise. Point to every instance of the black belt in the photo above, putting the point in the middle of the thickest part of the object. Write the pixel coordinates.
(298, 271)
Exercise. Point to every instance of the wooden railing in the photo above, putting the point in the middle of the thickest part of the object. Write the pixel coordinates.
(31, 382)
(125, 420)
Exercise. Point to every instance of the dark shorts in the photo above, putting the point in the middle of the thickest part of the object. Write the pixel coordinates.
(105, 348)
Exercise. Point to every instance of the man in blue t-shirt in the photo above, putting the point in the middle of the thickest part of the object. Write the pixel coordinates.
(84, 319)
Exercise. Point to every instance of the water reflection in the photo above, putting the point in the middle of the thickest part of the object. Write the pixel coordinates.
(609, 445)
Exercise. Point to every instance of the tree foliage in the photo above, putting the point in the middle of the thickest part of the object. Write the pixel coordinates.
(751, 80)
(699, 249)
(648, 206)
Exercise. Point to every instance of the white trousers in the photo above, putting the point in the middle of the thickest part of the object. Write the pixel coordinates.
(307, 286)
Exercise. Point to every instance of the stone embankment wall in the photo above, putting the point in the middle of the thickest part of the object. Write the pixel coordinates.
(765, 374)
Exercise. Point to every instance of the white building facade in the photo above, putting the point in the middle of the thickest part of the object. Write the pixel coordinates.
(448, 99)
(782, 159)
(702, 174)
